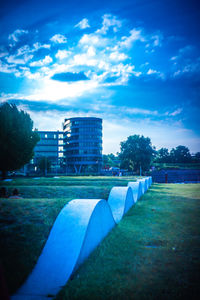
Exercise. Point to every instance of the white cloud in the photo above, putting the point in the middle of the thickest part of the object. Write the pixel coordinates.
(151, 71)
(176, 112)
(58, 39)
(35, 76)
(102, 58)
(177, 73)
(174, 58)
(155, 72)
(157, 40)
(16, 34)
(83, 24)
(182, 54)
(139, 111)
(38, 46)
(135, 35)
(186, 49)
(61, 54)
(42, 62)
(54, 91)
(109, 21)
(116, 56)
(84, 60)
(26, 48)
(102, 65)
(145, 64)
(91, 51)
(188, 69)
(3, 54)
(5, 68)
(93, 39)
(23, 50)
(19, 61)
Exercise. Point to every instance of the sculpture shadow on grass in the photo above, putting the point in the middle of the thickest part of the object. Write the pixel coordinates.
(80, 226)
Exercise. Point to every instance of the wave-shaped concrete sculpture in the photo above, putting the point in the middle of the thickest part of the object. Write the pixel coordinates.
(136, 187)
(120, 201)
(78, 229)
(80, 226)
(144, 184)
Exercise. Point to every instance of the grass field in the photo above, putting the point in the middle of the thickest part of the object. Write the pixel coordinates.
(25, 223)
(153, 253)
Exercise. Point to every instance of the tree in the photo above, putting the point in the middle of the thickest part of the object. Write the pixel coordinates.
(136, 152)
(110, 160)
(44, 164)
(180, 154)
(162, 155)
(197, 157)
(17, 138)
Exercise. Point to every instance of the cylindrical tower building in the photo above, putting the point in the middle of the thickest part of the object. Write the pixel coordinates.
(83, 145)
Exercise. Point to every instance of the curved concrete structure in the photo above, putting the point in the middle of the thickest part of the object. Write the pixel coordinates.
(149, 181)
(78, 229)
(80, 226)
(120, 201)
(136, 187)
(144, 184)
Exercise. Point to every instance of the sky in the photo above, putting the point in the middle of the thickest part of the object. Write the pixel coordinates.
(133, 63)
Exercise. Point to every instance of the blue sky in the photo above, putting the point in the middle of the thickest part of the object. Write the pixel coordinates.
(134, 63)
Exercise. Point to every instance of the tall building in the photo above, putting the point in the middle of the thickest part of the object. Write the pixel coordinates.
(83, 144)
(50, 146)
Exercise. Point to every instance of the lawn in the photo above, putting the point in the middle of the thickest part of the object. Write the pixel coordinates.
(152, 253)
(25, 223)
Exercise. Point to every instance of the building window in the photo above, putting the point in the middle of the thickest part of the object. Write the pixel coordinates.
(60, 142)
(60, 136)
(60, 154)
(46, 136)
(54, 136)
(60, 148)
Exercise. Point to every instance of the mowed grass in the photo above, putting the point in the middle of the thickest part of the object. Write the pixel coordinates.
(25, 223)
(67, 181)
(153, 253)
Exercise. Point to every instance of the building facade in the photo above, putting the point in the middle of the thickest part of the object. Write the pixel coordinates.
(50, 146)
(83, 145)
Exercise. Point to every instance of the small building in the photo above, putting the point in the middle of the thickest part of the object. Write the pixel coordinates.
(50, 146)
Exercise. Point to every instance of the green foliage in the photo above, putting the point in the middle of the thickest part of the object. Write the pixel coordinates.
(180, 154)
(17, 138)
(136, 151)
(110, 160)
(197, 157)
(162, 156)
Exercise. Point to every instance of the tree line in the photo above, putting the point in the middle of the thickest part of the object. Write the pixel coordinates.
(17, 142)
(137, 152)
